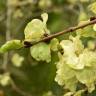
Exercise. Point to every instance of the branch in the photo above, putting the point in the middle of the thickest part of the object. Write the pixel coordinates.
(8, 32)
(70, 29)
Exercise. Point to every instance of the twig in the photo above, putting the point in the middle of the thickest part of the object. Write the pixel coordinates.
(8, 33)
(70, 29)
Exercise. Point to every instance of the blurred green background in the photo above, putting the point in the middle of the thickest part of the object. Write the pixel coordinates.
(37, 78)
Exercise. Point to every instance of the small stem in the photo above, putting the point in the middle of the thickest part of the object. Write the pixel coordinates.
(8, 32)
(70, 29)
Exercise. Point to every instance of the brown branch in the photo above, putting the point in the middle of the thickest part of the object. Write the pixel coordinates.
(70, 29)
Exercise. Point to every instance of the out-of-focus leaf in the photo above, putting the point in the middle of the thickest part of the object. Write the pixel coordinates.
(17, 60)
(94, 27)
(49, 93)
(43, 4)
(5, 79)
(92, 7)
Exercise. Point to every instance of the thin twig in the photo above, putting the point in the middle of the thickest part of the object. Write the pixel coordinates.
(8, 32)
(70, 29)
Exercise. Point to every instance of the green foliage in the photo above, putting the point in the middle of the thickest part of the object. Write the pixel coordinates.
(71, 52)
(5, 79)
(11, 45)
(91, 44)
(88, 77)
(79, 93)
(94, 27)
(87, 31)
(43, 4)
(71, 84)
(54, 44)
(72, 61)
(77, 64)
(68, 94)
(17, 60)
(41, 52)
(92, 7)
(48, 94)
(36, 29)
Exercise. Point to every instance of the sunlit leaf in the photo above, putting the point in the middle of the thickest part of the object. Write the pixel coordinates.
(91, 45)
(41, 52)
(94, 27)
(74, 62)
(11, 45)
(79, 93)
(68, 94)
(87, 31)
(54, 44)
(36, 29)
(87, 77)
(71, 84)
(64, 72)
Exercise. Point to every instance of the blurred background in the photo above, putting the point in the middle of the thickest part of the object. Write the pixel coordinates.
(28, 75)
